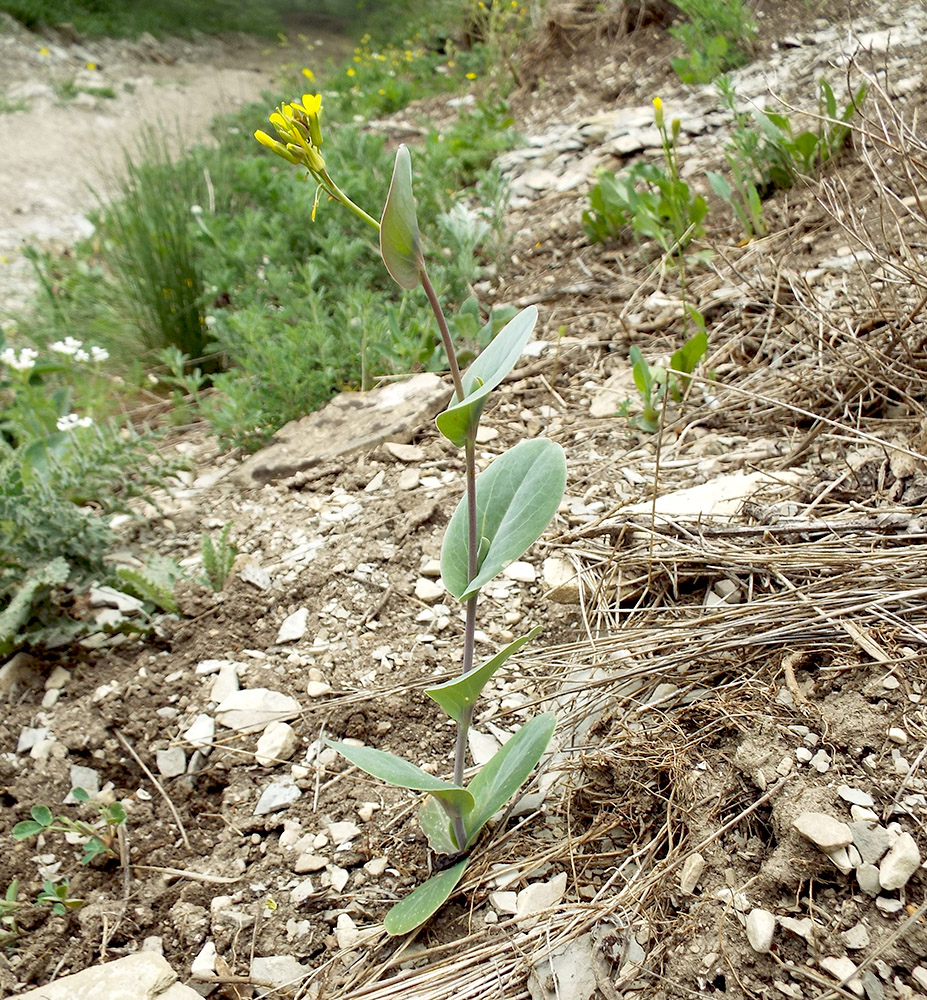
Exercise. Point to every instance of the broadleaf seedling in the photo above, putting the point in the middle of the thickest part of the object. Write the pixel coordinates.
(503, 512)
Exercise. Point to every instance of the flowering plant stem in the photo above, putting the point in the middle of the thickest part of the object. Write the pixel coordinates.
(502, 514)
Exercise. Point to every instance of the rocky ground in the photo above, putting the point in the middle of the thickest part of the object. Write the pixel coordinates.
(734, 624)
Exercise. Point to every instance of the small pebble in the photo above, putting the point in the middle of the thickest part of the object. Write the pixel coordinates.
(901, 862)
(692, 869)
(856, 937)
(823, 831)
(897, 735)
(841, 969)
(804, 754)
(761, 926)
(889, 906)
(867, 876)
(855, 796)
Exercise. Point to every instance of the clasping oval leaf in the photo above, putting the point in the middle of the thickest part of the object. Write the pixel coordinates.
(516, 498)
(400, 240)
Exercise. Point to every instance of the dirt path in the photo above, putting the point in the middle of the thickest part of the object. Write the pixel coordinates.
(62, 136)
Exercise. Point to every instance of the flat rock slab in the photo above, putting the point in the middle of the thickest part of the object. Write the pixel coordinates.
(145, 976)
(353, 421)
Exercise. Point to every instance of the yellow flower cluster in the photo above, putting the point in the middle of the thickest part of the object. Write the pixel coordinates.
(297, 125)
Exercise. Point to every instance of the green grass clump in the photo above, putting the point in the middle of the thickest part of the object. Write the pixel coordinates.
(717, 36)
(149, 242)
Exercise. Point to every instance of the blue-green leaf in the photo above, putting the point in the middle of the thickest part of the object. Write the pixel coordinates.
(422, 902)
(437, 827)
(486, 372)
(400, 241)
(508, 770)
(396, 771)
(516, 497)
(457, 695)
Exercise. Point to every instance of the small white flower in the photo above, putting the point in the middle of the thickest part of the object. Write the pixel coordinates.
(99, 353)
(22, 362)
(196, 210)
(81, 355)
(70, 346)
(71, 420)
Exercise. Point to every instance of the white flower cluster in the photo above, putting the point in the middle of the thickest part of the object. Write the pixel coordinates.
(70, 421)
(22, 362)
(75, 348)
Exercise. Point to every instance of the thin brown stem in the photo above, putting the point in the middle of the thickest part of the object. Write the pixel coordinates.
(445, 332)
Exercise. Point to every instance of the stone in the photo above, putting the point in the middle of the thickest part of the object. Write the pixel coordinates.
(376, 866)
(277, 970)
(405, 452)
(142, 976)
(897, 735)
(204, 962)
(504, 900)
(226, 682)
(293, 627)
(856, 937)
(351, 422)
(855, 796)
(871, 840)
(201, 731)
(57, 679)
(83, 777)
(256, 575)
(278, 743)
(761, 925)
(867, 877)
(109, 597)
(521, 572)
(539, 896)
(307, 863)
(253, 709)
(276, 796)
(825, 832)
(318, 689)
(572, 970)
(919, 975)
(28, 737)
(691, 872)
(346, 933)
(560, 578)
(341, 832)
(901, 862)
(801, 927)
(428, 591)
(843, 969)
(171, 762)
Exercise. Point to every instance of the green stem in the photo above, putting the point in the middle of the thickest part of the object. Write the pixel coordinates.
(339, 195)
(445, 332)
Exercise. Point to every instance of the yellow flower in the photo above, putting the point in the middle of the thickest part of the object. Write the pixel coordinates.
(265, 140)
(309, 75)
(352, 71)
(312, 103)
(471, 76)
(658, 112)
(91, 66)
(43, 51)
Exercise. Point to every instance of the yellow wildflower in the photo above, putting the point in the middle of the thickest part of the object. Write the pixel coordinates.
(309, 75)
(43, 51)
(658, 111)
(471, 76)
(352, 71)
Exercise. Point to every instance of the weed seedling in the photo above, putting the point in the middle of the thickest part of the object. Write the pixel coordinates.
(503, 512)
(101, 837)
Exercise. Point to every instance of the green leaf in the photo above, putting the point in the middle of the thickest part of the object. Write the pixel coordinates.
(437, 827)
(116, 814)
(93, 849)
(508, 770)
(396, 771)
(486, 372)
(19, 610)
(27, 828)
(80, 794)
(641, 372)
(516, 497)
(687, 357)
(457, 695)
(400, 241)
(422, 902)
(41, 814)
(720, 185)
